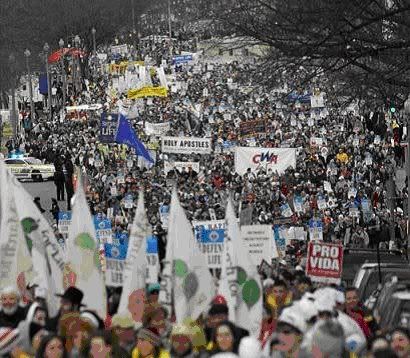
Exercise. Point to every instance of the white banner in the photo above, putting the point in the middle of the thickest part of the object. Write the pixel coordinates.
(114, 272)
(210, 238)
(180, 166)
(158, 129)
(259, 241)
(119, 49)
(277, 159)
(186, 145)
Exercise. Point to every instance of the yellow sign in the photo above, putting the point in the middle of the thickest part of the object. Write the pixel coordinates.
(7, 130)
(153, 145)
(147, 92)
(122, 66)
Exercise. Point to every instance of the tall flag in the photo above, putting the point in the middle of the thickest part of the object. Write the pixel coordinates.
(47, 256)
(136, 264)
(83, 267)
(126, 135)
(187, 282)
(16, 266)
(240, 282)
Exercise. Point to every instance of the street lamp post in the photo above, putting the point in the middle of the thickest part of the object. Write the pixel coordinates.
(407, 111)
(76, 62)
(46, 49)
(93, 31)
(170, 28)
(27, 53)
(12, 60)
(61, 43)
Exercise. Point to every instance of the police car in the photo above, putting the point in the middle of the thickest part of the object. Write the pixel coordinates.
(26, 168)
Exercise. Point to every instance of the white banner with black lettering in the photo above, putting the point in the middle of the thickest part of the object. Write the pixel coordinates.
(277, 159)
(158, 129)
(186, 145)
(259, 242)
(181, 166)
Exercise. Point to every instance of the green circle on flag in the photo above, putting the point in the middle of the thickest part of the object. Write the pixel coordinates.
(180, 268)
(242, 276)
(251, 292)
(85, 241)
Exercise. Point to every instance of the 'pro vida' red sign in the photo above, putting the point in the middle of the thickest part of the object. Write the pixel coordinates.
(324, 262)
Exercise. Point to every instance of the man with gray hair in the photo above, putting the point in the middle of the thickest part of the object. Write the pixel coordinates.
(11, 314)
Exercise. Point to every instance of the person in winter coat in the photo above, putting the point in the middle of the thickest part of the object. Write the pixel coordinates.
(360, 314)
(11, 313)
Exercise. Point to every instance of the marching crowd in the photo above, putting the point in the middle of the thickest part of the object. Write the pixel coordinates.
(344, 160)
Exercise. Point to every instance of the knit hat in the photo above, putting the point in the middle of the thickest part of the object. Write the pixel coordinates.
(218, 309)
(292, 316)
(122, 321)
(328, 337)
(151, 335)
(181, 330)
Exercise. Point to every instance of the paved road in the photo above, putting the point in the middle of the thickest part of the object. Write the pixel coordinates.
(46, 191)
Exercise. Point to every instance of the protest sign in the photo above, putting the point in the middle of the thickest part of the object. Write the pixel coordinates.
(119, 49)
(317, 101)
(277, 159)
(315, 230)
(252, 128)
(182, 59)
(64, 220)
(158, 129)
(164, 215)
(259, 241)
(294, 233)
(103, 229)
(180, 166)
(324, 262)
(279, 239)
(152, 260)
(108, 127)
(186, 145)
(147, 92)
(210, 237)
(116, 253)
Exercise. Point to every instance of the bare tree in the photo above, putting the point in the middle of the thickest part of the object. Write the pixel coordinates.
(362, 47)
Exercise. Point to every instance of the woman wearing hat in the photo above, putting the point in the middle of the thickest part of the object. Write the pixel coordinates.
(149, 345)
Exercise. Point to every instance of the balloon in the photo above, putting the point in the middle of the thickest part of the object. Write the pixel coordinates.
(180, 268)
(241, 274)
(85, 241)
(190, 285)
(251, 292)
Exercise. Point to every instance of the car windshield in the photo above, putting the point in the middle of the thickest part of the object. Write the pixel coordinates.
(33, 161)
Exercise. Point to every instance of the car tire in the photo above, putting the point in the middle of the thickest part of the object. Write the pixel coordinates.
(36, 176)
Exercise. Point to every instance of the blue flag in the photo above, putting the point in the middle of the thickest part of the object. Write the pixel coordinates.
(126, 135)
